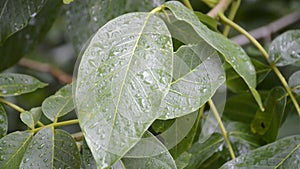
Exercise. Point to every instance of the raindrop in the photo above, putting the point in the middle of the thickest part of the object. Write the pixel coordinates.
(41, 146)
(95, 19)
(4, 142)
(33, 15)
(221, 77)
(25, 160)
(3, 91)
(2, 158)
(45, 160)
(41, 155)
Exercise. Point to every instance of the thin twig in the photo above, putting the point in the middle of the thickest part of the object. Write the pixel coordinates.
(43, 67)
(222, 127)
(220, 7)
(266, 31)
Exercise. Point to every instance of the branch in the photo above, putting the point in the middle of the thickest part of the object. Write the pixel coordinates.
(220, 7)
(267, 30)
(43, 67)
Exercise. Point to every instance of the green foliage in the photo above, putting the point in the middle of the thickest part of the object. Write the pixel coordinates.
(25, 23)
(149, 89)
(16, 84)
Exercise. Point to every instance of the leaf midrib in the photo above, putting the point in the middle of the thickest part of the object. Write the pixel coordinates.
(125, 76)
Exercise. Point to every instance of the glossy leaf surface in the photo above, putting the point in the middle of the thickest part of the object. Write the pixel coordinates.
(285, 49)
(123, 76)
(185, 26)
(3, 122)
(294, 82)
(58, 104)
(197, 75)
(16, 15)
(30, 118)
(51, 150)
(30, 21)
(12, 149)
(283, 153)
(94, 14)
(12, 84)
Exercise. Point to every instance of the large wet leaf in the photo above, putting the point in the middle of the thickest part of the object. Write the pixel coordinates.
(283, 153)
(185, 26)
(197, 75)
(267, 123)
(30, 21)
(58, 104)
(294, 82)
(285, 49)
(94, 14)
(123, 76)
(149, 153)
(12, 84)
(51, 148)
(30, 118)
(3, 122)
(12, 149)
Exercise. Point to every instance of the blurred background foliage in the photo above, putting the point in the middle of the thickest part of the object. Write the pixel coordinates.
(56, 50)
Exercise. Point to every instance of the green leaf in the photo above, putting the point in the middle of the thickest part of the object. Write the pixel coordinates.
(237, 84)
(59, 104)
(15, 15)
(197, 75)
(12, 84)
(3, 122)
(294, 82)
(183, 160)
(283, 153)
(242, 139)
(149, 153)
(24, 24)
(267, 123)
(192, 121)
(94, 14)
(285, 49)
(12, 149)
(241, 108)
(51, 149)
(207, 20)
(30, 118)
(202, 151)
(185, 26)
(123, 76)
(87, 157)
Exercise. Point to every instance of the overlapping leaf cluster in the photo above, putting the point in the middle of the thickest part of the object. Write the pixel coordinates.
(141, 86)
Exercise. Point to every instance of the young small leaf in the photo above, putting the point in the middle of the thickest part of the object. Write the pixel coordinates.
(3, 122)
(124, 73)
(267, 123)
(12, 84)
(51, 149)
(12, 149)
(294, 82)
(285, 49)
(59, 104)
(283, 153)
(30, 118)
(185, 26)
